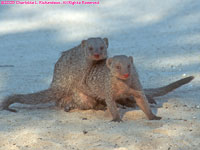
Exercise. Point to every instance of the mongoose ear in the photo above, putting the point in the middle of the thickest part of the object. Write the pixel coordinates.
(106, 41)
(83, 43)
(108, 62)
(131, 59)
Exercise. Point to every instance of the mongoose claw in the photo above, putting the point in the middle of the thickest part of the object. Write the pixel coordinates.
(117, 120)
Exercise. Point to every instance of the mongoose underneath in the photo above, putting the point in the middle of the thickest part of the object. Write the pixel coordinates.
(108, 81)
(120, 76)
(70, 70)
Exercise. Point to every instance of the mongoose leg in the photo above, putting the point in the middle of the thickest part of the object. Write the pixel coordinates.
(111, 106)
(143, 104)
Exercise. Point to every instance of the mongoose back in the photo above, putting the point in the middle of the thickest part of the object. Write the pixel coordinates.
(109, 80)
(69, 71)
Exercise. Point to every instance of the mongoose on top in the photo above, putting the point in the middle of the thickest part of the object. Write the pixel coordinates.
(70, 70)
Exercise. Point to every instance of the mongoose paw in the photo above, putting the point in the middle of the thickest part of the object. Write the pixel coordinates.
(67, 108)
(117, 120)
(155, 118)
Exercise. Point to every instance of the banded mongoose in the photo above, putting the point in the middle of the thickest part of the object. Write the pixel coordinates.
(69, 71)
(108, 81)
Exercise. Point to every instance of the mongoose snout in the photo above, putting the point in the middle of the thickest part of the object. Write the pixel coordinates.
(96, 56)
(126, 75)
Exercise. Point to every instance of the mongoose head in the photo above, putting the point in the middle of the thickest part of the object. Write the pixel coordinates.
(95, 48)
(120, 66)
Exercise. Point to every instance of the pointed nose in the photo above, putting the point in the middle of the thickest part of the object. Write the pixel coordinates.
(96, 56)
(126, 75)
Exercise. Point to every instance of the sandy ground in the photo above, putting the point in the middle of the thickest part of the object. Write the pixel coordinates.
(164, 39)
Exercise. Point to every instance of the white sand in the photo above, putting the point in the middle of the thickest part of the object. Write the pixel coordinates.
(163, 37)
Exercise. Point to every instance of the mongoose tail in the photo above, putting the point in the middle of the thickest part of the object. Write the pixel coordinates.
(33, 98)
(168, 88)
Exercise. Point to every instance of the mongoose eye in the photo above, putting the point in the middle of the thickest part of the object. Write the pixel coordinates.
(90, 48)
(118, 67)
(101, 48)
(129, 66)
